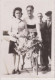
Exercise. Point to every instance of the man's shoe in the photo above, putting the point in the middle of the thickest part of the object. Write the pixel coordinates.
(45, 68)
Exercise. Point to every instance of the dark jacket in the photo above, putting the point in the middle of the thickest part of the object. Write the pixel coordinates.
(47, 34)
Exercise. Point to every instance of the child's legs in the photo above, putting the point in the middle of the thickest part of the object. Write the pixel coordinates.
(31, 60)
(33, 64)
(22, 58)
(36, 62)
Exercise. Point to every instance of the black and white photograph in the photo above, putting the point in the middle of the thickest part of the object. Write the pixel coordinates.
(26, 39)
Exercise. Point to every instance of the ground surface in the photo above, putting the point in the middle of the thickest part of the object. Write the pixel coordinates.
(6, 66)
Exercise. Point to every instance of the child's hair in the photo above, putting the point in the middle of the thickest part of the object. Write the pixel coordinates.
(28, 34)
(35, 34)
(17, 8)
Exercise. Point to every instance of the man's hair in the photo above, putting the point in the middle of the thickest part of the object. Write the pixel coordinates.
(30, 6)
(17, 8)
(48, 13)
(40, 13)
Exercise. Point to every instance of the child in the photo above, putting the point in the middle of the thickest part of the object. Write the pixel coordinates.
(34, 47)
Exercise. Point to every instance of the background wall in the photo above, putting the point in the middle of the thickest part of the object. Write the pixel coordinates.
(6, 11)
(7, 7)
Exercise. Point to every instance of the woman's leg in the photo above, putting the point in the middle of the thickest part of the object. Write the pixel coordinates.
(14, 61)
(18, 64)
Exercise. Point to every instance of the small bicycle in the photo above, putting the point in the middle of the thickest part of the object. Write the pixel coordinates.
(35, 47)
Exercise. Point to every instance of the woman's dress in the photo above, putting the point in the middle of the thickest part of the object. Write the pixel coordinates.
(18, 29)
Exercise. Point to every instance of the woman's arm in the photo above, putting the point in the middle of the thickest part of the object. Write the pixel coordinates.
(24, 30)
(10, 31)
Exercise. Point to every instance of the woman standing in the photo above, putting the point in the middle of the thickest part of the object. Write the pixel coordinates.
(17, 26)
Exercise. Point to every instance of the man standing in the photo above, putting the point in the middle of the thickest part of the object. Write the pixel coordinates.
(47, 39)
(31, 23)
(41, 25)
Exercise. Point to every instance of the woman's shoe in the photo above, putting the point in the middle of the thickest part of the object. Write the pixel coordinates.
(13, 72)
(18, 72)
(22, 67)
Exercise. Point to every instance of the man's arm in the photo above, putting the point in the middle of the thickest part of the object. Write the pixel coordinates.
(38, 32)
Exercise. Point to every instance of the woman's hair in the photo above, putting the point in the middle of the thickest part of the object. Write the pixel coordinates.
(30, 6)
(17, 8)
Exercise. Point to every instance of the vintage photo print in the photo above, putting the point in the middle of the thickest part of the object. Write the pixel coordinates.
(26, 39)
